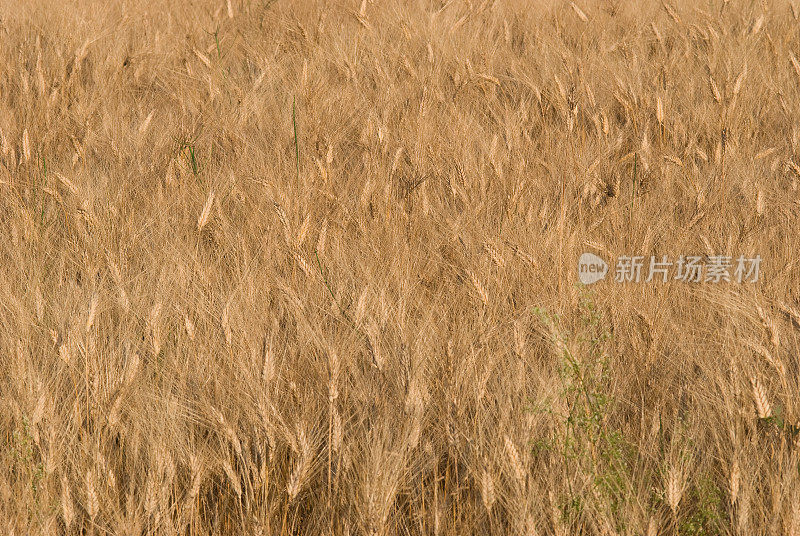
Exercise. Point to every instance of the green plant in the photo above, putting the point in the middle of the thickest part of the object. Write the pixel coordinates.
(215, 33)
(187, 149)
(707, 517)
(583, 437)
(23, 454)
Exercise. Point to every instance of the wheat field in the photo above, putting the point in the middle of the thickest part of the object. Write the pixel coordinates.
(273, 267)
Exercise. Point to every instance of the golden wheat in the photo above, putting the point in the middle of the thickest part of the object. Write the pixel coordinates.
(309, 268)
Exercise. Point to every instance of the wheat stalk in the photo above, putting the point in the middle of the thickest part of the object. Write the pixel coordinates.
(202, 220)
(482, 294)
(769, 326)
(796, 65)
(299, 474)
(495, 255)
(233, 478)
(189, 325)
(735, 481)
(26, 146)
(515, 461)
(579, 12)
(676, 485)
(92, 312)
(763, 407)
(67, 511)
(92, 501)
(154, 325)
(487, 490)
(146, 123)
(197, 471)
